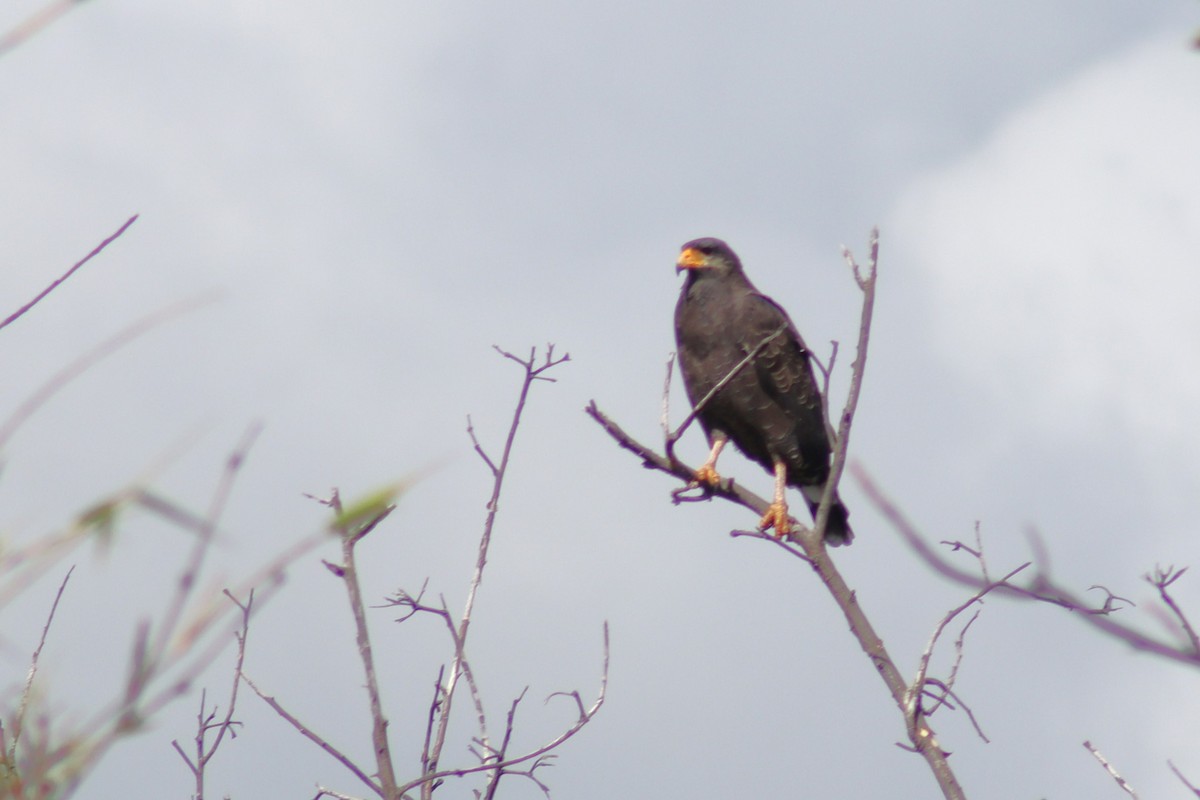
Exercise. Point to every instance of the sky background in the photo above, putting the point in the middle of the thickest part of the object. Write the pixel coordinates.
(379, 192)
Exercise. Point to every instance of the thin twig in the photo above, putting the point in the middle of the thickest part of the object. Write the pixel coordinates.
(533, 372)
(226, 725)
(857, 372)
(1186, 782)
(18, 723)
(13, 317)
(105, 348)
(1104, 762)
(1040, 588)
(186, 582)
(665, 420)
(919, 681)
(586, 715)
(309, 734)
(721, 384)
(959, 652)
(948, 691)
(1163, 578)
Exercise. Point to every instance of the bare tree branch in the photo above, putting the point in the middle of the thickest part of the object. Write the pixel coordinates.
(857, 371)
(1161, 579)
(1039, 588)
(1104, 762)
(18, 723)
(13, 317)
(459, 667)
(585, 716)
(1185, 781)
(206, 720)
(313, 737)
(105, 348)
(351, 535)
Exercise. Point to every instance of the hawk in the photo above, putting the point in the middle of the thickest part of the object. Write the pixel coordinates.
(770, 407)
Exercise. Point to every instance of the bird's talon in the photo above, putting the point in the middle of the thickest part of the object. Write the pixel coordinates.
(707, 476)
(776, 518)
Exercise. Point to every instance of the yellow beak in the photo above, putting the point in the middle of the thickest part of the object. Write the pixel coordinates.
(691, 258)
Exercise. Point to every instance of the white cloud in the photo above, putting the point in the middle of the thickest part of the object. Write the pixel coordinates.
(1063, 252)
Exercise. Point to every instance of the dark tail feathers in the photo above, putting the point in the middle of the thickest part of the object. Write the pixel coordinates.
(837, 529)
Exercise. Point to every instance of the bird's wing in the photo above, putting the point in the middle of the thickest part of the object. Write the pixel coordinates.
(785, 373)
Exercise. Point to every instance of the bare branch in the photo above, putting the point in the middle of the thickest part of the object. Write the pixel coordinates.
(351, 535)
(948, 691)
(1185, 781)
(459, 667)
(1161, 579)
(478, 447)
(105, 348)
(27, 693)
(13, 317)
(186, 583)
(857, 371)
(1104, 762)
(1040, 587)
(586, 716)
(959, 649)
(917, 689)
(721, 384)
(313, 737)
(666, 399)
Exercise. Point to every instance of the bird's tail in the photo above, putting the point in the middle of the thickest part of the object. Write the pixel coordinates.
(837, 529)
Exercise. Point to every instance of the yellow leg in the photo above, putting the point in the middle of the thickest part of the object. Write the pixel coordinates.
(777, 513)
(707, 474)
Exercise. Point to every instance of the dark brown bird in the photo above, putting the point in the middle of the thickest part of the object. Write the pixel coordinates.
(771, 407)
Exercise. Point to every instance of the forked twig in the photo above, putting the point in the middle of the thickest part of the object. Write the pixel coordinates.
(1040, 588)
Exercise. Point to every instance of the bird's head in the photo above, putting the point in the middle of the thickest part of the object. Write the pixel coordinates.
(708, 256)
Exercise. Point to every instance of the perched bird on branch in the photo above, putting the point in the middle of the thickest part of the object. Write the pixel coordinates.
(747, 373)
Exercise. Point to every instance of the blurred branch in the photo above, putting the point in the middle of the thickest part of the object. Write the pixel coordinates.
(1184, 780)
(1040, 587)
(18, 722)
(36, 22)
(13, 317)
(167, 655)
(106, 348)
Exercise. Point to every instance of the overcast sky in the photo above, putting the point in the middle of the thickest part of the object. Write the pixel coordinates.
(379, 192)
